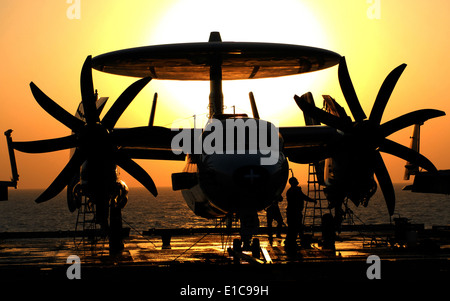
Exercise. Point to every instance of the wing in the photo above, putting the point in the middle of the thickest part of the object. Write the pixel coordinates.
(149, 142)
(301, 144)
(308, 143)
(152, 153)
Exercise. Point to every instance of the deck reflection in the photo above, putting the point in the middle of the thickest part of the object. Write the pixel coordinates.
(192, 253)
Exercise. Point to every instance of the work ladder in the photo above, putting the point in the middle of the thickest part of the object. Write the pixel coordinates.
(86, 224)
(312, 213)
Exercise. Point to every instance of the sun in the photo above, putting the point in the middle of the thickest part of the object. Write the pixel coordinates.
(283, 21)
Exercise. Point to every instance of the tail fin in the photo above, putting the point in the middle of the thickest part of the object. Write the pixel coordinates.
(331, 106)
(412, 169)
(100, 103)
(308, 97)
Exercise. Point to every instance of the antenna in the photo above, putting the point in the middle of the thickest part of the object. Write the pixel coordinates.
(253, 104)
(152, 114)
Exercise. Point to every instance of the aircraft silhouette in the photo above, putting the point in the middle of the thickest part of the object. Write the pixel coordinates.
(229, 180)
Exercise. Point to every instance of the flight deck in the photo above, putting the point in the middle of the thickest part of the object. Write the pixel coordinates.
(193, 256)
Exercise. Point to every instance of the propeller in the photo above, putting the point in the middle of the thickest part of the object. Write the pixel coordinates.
(92, 138)
(368, 133)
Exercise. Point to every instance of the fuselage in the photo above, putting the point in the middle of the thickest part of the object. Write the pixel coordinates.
(238, 173)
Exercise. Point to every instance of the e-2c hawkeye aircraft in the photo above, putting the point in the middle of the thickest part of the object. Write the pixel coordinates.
(241, 166)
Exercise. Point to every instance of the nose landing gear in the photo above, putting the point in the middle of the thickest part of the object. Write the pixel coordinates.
(238, 251)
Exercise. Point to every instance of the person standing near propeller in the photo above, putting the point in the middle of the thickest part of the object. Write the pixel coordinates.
(295, 203)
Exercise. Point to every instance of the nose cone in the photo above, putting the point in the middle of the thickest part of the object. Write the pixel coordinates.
(236, 182)
(251, 177)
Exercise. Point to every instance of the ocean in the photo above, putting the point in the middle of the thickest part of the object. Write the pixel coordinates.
(169, 210)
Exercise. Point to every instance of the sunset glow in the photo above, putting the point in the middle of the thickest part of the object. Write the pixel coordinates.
(47, 41)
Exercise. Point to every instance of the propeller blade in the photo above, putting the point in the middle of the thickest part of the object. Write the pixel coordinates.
(63, 179)
(385, 93)
(55, 110)
(349, 91)
(320, 115)
(137, 172)
(123, 101)
(384, 180)
(45, 146)
(406, 154)
(88, 97)
(253, 104)
(416, 117)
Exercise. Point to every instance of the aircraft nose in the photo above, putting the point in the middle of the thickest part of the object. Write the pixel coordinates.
(251, 176)
(233, 182)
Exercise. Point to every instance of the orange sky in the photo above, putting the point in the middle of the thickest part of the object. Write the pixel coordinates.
(40, 43)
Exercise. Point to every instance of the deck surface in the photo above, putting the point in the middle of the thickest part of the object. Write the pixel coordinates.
(205, 258)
